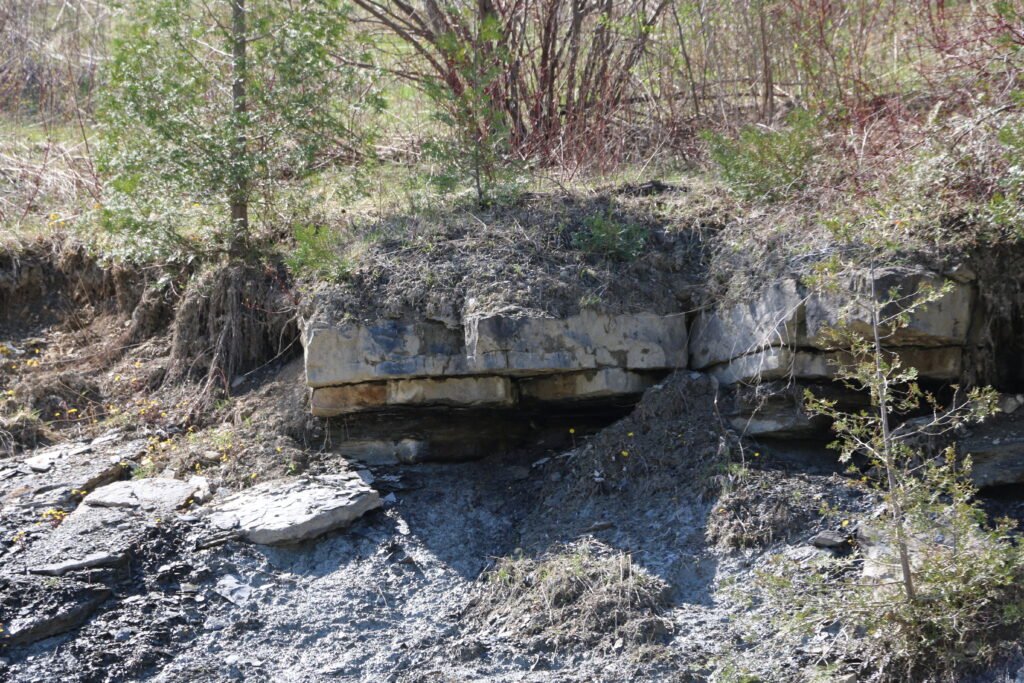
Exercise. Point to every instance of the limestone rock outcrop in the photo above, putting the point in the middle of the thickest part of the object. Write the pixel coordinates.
(784, 331)
(489, 360)
(783, 335)
(996, 448)
(510, 365)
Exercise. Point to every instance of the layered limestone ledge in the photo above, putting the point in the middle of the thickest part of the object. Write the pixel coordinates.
(944, 364)
(585, 385)
(943, 322)
(772, 319)
(503, 345)
(492, 391)
(787, 315)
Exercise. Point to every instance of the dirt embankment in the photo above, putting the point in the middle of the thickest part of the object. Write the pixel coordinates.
(87, 345)
(547, 254)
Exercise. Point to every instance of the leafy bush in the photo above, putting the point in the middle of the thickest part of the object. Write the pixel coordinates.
(604, 235)
(767, 164)
(476, 150)
(968, 576)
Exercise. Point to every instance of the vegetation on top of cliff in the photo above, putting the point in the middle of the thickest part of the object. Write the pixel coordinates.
(860, 117)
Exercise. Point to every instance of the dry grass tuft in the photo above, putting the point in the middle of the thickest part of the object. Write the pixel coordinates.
(584, 594)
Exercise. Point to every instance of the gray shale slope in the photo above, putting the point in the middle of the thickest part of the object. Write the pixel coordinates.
(500, 493)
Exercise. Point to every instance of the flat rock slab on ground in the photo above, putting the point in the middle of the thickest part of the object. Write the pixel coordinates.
(47, 478)
(292, 510)
(38, 609)
(146, 494)
(84, 536)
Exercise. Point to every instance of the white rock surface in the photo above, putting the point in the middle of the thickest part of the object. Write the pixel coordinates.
(771, 319)
(786, 315)
(56, 476)
(942, 363)
(42, 462)
(774, 421)
(292, 510)
(45, 459)
(528, 345)
(943, 322)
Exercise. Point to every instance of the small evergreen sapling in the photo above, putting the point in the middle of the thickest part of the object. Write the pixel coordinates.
(936, 587)
(213, 107)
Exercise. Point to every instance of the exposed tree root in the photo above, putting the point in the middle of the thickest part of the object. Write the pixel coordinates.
(232, 319)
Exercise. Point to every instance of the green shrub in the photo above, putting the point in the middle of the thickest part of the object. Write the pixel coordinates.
(969, 579)
(604, 235)
(767, 164)
(218, 106)
(319, 253)
(476, 150)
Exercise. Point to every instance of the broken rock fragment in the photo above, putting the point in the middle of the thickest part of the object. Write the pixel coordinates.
(91, 561)
(292, 510)
(48, 610)
(829, 539)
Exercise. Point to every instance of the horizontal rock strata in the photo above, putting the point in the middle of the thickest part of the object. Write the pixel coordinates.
(479, 392)
(490, 361)
(350, 353)
(784, 332)
(536, 370)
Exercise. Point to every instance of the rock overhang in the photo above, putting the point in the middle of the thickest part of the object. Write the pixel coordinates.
(511, 362)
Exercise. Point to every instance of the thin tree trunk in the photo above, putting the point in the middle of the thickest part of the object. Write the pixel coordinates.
(239, 160)
(686, 61)
(890, 465)
(768, 103)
